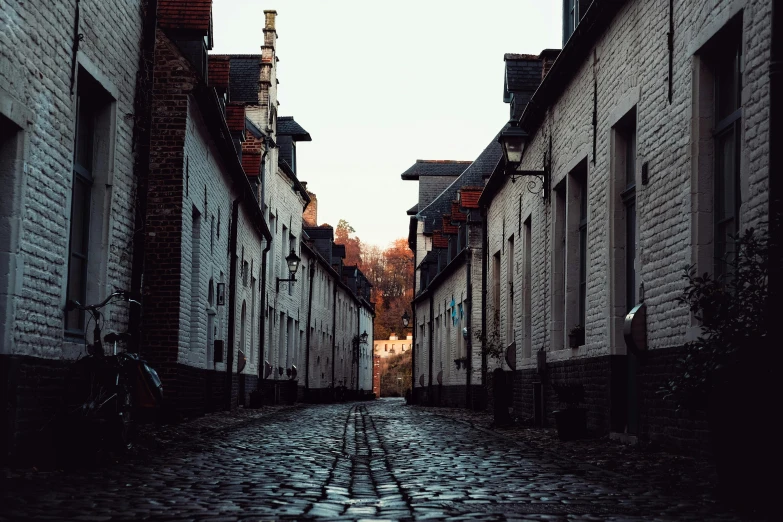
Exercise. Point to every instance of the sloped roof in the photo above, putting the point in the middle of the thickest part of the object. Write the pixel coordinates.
(432, 215)
(244, 78)
(523, 76)
(435, 168)
(413, 210)
(286, 126)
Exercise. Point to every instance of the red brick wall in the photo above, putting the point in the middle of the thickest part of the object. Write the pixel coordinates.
(174, 79)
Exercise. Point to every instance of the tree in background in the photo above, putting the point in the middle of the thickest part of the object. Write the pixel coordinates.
(353, 245)
(395, 374)
(389, 270)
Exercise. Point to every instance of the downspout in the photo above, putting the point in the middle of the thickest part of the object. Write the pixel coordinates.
(261, 319)
(334, 326)
(232, 283)
(358, 343)
(484, 263)
(311, 270)
(469, 299)
(413, 339)
(432, 326)
(141, 142)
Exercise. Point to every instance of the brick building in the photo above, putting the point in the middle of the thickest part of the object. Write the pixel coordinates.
(446, 307)
(204, 228)
(68, 74)
(640, 158)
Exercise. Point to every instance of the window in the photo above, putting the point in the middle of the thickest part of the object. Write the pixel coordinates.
(576, 248)
(195, 278)
(496, 284)
(510, 292)
(726, 135)
(559, 267)
(573, 11)
(283, 253)
(526, 288)
(90, 190)
(629, 203)
(624, 227)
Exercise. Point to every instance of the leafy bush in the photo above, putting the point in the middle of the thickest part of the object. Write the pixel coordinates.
(730, 310)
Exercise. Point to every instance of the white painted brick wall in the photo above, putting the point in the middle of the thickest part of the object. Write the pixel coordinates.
(206, 176)
(36, 44)
(632, 61)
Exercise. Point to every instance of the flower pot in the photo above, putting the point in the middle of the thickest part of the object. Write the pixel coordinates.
(571, 423)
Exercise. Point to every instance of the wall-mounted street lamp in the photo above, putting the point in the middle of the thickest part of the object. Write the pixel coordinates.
(406, 319)
(293, 265)
(364, 336)
(513, 140)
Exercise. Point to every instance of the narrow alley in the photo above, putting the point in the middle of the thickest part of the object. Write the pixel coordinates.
(377, 459)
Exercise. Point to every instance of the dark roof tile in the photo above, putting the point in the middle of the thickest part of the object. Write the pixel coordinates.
(471, 177)
(287, 126)
(435, 168)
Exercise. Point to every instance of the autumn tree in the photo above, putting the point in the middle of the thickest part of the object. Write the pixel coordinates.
(353, 245)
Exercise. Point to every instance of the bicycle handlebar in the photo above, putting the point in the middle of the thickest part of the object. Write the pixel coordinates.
(72, 304)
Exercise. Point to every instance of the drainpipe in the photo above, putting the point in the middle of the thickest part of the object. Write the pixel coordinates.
(311, 270)
(413, 334)
(484, 263)
(432, 314)
(261, 320)
(142, 131)
(358, 343)
(334, 332)
(468, 313)
(232, 284)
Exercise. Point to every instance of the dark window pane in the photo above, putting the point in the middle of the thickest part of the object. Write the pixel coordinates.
(630, 253)
(630, 158)
(84, 133)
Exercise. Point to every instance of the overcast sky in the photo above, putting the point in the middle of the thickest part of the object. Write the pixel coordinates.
(381, 83)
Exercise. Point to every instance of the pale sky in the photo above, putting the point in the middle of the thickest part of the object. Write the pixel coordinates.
(379, 84)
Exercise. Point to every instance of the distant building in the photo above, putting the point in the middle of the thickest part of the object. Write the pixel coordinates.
(392, 346)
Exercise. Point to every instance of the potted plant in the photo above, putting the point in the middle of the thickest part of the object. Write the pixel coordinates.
(571, 421)
(576, 336)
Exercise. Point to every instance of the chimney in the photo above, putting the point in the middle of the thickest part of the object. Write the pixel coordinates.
(310, 215)
(548, 57)
(270, 19)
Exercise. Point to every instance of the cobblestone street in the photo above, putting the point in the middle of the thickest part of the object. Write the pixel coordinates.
(369, 460)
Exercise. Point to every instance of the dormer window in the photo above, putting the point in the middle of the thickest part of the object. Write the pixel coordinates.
(573, 11)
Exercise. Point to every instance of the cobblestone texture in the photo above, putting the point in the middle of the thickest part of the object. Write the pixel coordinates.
(377, 460)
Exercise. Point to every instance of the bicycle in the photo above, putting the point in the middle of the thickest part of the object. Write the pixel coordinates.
(104, 391)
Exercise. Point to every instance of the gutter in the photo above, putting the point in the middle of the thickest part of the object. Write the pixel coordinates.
(334, 326)
(311, 269)
(358, 346)
(232, 284)
(432, 326)
(484, 263)
(413, 340)
(264, 254)
(141, 142)
(469, 299)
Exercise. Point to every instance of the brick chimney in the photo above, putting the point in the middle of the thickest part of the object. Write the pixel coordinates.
(264, 115)
(548, 57)
(310, 215)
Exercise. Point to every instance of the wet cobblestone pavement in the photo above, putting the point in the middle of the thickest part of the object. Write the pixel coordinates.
(370, 460)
